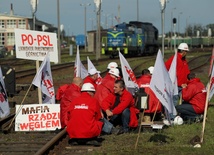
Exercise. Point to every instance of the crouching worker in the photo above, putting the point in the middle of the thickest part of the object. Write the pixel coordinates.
(119, 108)
(194, 98)
(84, 115)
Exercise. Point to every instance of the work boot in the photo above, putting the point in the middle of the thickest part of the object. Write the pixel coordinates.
(93, 142)
(122, 131)
(115, 131)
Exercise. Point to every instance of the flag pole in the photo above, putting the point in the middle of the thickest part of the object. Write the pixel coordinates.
(39, 89)
(155, 111)
(141, 119)
(205, 111)
(6, 130)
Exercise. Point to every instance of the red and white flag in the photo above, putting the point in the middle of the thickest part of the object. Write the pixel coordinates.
(79, 69)
(4, 105)
(172, 74)
(211, 85)
(161, 84)
(128, 74)
(44, 81)
(91, 66)
(211, 62)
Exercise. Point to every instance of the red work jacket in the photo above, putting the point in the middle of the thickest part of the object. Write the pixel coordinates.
(84, 115)
(182, 68)
(154, 103)
(88, 79)
(195, 94)
(61, 91)
(72, 92)
(105, 88)
(126, 101)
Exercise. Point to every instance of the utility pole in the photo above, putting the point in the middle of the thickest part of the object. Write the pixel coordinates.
(137, 10)
(163, 6)
(98, 40)
(171, 28)
(34, 4)
(85, 23)
(58, 32)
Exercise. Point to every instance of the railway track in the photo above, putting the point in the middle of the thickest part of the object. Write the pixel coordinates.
(56, 142)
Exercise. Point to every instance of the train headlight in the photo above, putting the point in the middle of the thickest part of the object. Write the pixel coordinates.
(124, 44)
(103, 44)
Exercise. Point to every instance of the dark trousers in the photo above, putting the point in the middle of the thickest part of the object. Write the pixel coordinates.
(186, 110)
(122, 118)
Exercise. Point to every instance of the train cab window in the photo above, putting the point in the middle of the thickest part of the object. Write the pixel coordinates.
(139, 30)
(130, 28)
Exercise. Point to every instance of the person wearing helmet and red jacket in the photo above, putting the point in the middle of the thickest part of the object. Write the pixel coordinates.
(194, 98)
(154, 106)
(182, 69)
(84, 115)
(107, 85)
(92, 77)
(182, 66)
(120, 109)
(72, 91)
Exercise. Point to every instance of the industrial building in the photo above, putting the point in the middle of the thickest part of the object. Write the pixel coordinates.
(10, 21)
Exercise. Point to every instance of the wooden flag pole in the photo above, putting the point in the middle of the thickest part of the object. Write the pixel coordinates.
(141, 118)
(205, 112)
(39, 90)
(19, 108)
(155, 111)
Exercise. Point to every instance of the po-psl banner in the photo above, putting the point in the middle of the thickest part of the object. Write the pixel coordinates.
(37, 117)
(34, 45)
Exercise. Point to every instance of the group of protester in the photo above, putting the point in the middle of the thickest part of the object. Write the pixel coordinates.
(88, 109)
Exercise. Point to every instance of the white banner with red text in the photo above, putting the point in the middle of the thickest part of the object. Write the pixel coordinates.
(37, 117)
(34, 45)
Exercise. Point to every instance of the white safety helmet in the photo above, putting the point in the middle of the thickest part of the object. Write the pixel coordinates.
(178, 121)
(112, 65)
(114, 71)
(93, 71)
(151, 68)
(87, 87)
(183, 46)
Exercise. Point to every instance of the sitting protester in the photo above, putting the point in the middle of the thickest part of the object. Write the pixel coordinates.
(154, 106)
(107, 85)
(119, 108)
(71, 92)
(92, 77)
(84, 118)
(194, 98)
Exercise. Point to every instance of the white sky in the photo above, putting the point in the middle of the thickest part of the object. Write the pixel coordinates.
(72, 14)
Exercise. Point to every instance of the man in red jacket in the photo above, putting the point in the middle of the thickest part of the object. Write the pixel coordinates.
(71, 92)
(92, 77)
(182, 69)
(84, 115)
(154, 106)
(194, 98)
(119, 108)
(107, 85)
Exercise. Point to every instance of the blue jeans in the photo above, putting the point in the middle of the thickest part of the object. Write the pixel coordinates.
(177, 97)
(186, 110)
(123, 118)
(107, 126)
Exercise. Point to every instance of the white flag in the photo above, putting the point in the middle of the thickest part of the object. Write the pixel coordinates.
(128, 74)
(173, 75)
(91, 66)
(211, 84)
(44, 81)
(4, 105)
(161, 84)
(79, 69)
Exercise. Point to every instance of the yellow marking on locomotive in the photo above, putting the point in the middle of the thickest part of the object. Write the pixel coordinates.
(115, 35)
